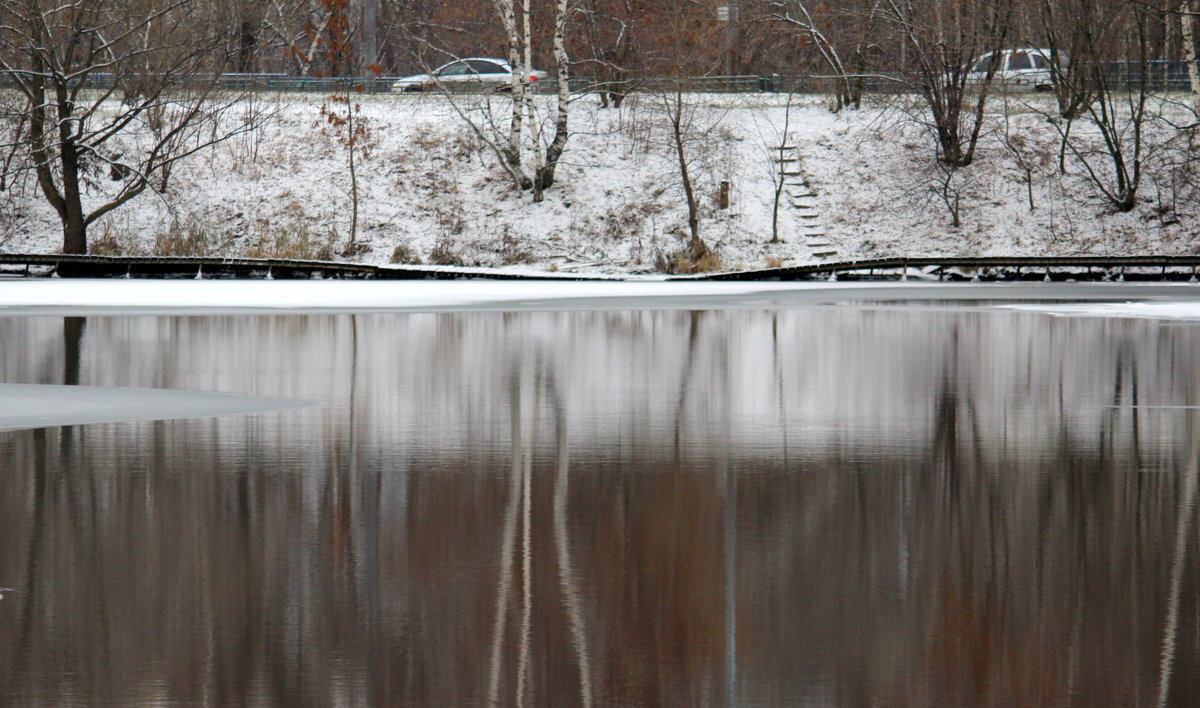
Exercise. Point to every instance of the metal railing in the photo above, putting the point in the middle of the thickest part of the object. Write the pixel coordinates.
(1155, 268)
(1158, 75)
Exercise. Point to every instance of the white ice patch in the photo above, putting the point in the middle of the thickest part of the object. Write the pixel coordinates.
(117, 296)
(41, 405)
(1126, 310)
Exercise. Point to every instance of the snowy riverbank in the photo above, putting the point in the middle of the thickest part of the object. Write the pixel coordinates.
(432, 191)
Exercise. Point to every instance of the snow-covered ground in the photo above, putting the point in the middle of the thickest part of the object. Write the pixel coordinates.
(433, 192)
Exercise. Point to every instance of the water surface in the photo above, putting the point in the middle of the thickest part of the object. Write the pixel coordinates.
(817, 506)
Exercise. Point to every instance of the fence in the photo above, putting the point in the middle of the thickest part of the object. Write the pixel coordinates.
(1158, 75)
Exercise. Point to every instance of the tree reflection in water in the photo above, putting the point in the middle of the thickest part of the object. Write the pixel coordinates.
(827, 505)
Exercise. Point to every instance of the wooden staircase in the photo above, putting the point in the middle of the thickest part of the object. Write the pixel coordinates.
(801, 196)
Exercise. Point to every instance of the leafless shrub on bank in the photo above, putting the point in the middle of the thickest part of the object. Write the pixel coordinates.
(98, 74)
(944, 39)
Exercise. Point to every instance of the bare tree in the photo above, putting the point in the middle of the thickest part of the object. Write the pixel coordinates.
(847, 58)
(1119, 109)
(610, 46)
(341, 113)
(945, 38)
(122, 84)
(1062, 26)
(689, 130)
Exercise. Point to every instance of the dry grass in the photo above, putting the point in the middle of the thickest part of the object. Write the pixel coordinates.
(686, 262)
(188, 238)
(113, 242)
(294, 242)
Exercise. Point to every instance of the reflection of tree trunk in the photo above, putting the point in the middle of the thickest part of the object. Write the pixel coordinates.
(777, 365)
(527, 552)
(730, 580)
(1183, 526)
(681, 401)
(72, 338)
(562, 542)
(72, 346)
(29, 590)
(508, 542)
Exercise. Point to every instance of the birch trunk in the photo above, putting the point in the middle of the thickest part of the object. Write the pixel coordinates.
(1187, 10)
(508, 18)
(545, 177)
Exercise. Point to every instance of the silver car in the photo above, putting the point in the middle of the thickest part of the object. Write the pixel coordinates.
(1024, 67)
(471, 74)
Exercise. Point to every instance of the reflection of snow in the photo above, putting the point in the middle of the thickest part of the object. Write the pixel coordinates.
(39, 406)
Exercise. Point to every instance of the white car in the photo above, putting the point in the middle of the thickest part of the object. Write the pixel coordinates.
(471, 74)
(1024, 67)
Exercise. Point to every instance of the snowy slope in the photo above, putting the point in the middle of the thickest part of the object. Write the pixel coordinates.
(433, 191)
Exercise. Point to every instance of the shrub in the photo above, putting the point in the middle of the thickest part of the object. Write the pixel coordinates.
(443, 253)
(403, 253)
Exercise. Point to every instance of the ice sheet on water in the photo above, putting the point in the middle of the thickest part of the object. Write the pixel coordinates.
(1127, 310)
(41, 405)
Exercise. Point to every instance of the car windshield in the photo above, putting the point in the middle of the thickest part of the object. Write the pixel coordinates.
(982, 65)
(456, 68)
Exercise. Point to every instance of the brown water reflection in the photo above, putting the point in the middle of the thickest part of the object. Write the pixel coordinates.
(822, 506)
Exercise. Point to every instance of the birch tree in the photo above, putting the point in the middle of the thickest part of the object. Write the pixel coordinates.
(116, 84)
(1188, 9)
(525, 134)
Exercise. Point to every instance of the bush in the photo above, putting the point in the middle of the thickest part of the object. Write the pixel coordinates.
(403, 253)
(443, 253)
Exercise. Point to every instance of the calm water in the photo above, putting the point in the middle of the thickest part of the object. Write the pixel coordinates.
(824, 506)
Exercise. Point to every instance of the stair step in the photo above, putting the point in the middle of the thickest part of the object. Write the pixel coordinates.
(824, 254)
